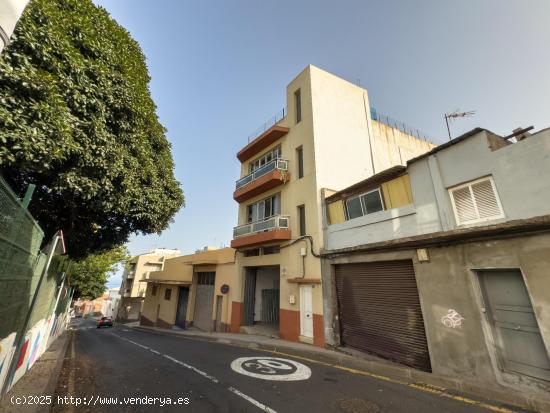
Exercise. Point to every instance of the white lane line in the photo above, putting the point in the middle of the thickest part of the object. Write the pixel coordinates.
(196, 370)
(251, 400)
(233, 390)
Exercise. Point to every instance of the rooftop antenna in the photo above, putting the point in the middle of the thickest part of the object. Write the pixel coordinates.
(455, 115)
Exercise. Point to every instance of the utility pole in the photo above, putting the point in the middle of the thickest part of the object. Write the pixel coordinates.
(10, 12)
(454, 115)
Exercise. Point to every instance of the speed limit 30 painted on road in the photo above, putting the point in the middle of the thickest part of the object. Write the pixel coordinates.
(271, 368)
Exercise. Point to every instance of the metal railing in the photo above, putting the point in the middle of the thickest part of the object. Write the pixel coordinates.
(280, 164)
(279, 116)
(268, 224)
(403, 127)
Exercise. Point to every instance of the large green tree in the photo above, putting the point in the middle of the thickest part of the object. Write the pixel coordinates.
(77, 119)
(89, 275)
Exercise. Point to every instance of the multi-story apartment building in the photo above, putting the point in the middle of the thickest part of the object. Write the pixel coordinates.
(132, 289)
(328, 137)
(450, 272)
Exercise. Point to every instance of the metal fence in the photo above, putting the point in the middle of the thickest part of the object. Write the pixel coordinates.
(279, 116)
(30, 292)
(393, 123)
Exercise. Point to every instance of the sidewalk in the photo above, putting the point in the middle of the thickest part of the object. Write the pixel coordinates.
(359, 363)
(40, 380)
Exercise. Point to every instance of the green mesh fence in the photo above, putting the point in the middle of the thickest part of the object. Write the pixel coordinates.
(20, 260)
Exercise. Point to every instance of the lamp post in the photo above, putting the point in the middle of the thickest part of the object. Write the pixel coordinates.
(10, 12)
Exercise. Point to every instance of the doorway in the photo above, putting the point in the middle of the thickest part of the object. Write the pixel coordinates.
(510, 313)
(306, 311)
(204, 300)
(261, 297)
(181, 312)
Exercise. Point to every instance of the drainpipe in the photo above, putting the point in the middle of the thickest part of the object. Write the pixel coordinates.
(10, 12)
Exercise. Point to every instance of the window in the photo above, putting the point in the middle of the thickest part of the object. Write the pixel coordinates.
(364, 204)
(264, 208)
(255, 252)
(272, 249)
(298, 104)
(300, 161)
(275, 153)
(167, 294)
(154, 290)
(302, 219)
(206, 278)
(476, 201)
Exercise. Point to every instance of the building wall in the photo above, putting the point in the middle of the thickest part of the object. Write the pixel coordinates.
(449, 280)
(336, 135)
(511, 167)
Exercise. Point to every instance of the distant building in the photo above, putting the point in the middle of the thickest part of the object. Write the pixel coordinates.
(132, 290)
(192, 290)
(443, 265)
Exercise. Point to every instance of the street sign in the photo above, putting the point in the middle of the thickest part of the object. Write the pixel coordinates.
(271, 368)
(224, 289)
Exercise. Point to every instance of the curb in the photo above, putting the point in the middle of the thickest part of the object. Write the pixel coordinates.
(495, 399)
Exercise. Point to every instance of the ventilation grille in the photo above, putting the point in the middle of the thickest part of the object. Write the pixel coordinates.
(476, 201)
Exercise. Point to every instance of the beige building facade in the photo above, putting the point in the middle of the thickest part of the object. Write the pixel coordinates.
(192, 290)
(136, 272)
(328, 138)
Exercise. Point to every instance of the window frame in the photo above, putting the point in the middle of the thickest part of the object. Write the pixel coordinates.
(168, 294)
(363, 206)
(302, 229)
(298, 105)
(255, 164)
(469, 185)
(300, 161)
(273, 206)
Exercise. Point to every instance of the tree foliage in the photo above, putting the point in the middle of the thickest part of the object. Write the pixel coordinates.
(89, 275)
(77, 119)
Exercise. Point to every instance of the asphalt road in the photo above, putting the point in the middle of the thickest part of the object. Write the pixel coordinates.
(104, 364)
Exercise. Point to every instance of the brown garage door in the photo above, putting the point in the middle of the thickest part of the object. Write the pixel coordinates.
(380, 312)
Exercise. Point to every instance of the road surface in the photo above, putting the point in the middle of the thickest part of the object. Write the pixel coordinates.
(123, 370)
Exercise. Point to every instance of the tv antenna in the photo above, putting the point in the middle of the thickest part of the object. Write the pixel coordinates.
(455, 115)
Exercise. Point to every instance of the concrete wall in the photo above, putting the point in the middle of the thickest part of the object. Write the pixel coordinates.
(517, 170)
(467, 353)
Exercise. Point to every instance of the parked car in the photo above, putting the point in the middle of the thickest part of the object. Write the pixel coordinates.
(105, 322)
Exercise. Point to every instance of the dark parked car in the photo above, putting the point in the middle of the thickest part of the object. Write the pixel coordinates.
(105, 322)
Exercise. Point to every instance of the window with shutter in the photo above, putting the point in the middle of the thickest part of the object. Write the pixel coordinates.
(476, 201)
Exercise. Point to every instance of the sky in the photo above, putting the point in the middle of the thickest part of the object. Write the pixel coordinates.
(219, 69)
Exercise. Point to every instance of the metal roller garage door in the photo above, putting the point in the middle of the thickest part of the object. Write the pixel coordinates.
(380, 312)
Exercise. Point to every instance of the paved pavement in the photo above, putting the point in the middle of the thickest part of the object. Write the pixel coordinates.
(116, 364)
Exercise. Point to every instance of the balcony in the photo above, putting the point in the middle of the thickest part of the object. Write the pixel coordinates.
(264, 136)
(275, 228)
(269, 176)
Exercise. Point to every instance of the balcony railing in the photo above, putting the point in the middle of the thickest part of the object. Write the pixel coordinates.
(280, 164)
(279, 116)
(268, 224)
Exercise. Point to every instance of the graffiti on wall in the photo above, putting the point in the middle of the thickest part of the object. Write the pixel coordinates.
(6, 354)
(452, 319)
(37, 340)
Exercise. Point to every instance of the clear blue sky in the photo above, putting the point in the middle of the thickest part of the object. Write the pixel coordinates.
(220, 68)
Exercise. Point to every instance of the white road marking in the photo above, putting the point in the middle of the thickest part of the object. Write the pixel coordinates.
(251, 400)
(212, 378)
(271, 368)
